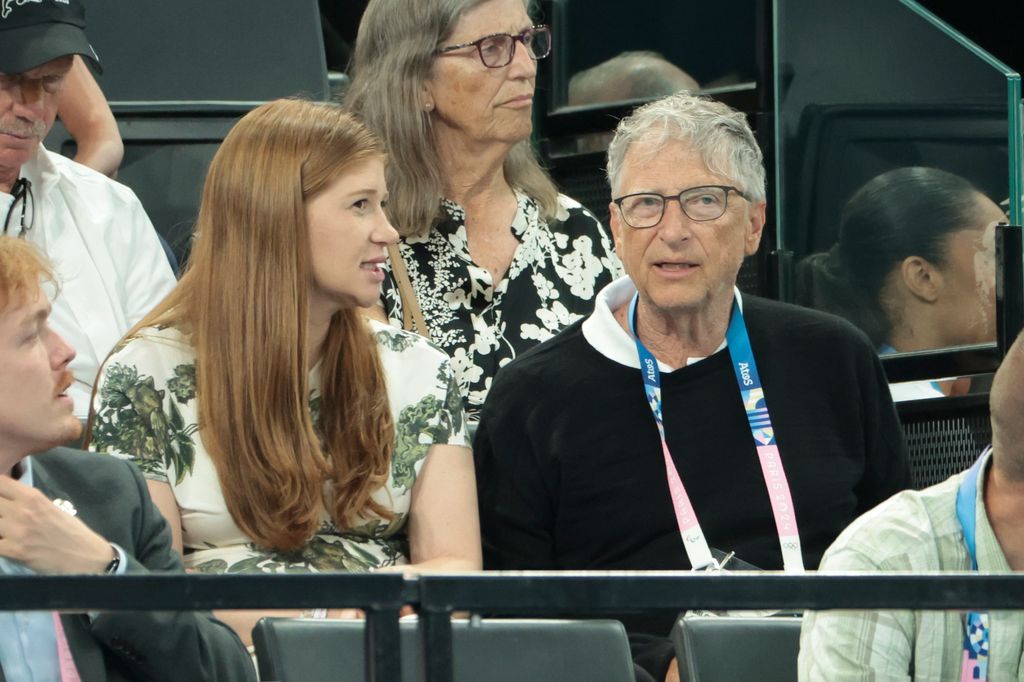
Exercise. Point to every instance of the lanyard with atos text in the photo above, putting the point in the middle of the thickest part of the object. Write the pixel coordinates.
(752, 394)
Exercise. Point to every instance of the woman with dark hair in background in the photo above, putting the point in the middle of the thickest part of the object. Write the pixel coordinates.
(279, 430)
(914, 266)
(492, 259)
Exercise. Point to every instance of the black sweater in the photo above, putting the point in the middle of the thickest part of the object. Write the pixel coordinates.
(569, 463)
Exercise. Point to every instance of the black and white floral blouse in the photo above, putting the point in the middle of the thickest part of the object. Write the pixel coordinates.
(556, 271)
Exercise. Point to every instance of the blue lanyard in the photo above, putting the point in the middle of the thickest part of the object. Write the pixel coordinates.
(759, 421)
(976, 624)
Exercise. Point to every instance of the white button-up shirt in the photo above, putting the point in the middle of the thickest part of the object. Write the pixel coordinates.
(111, 267)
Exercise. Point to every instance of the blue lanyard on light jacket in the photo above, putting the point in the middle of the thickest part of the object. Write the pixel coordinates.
(974, 665)
(759, 421)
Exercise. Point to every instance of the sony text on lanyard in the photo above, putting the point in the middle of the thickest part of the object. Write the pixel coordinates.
(697, 549)
(974, 665)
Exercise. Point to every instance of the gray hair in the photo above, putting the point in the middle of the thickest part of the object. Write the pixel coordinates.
(717, 132)
(394, 54)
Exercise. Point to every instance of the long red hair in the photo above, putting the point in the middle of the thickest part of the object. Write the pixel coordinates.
(242, 304)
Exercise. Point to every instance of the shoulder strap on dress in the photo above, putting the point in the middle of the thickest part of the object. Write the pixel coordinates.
(412, 316)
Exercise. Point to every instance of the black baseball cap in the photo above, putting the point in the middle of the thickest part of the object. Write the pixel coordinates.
(33, 32)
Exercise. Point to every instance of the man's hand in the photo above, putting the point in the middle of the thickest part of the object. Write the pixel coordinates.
(37, 534)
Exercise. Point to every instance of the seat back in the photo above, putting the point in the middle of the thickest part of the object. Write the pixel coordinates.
(725, 649)
(298, 650)
(178, 75)
(197, 50)
(582, 177)
(944, 435)
(167, 151)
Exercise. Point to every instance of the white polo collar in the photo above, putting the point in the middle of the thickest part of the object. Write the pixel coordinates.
(23, 471)
(606, 335)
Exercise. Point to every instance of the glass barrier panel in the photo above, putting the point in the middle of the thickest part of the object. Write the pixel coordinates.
(898, 149)
(609, 52)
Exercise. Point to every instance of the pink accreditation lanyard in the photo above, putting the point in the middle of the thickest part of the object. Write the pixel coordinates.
(68, 671)
(752, 394)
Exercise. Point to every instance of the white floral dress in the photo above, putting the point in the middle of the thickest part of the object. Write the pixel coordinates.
(146, 412)
(556, 271)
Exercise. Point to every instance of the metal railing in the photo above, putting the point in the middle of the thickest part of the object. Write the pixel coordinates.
(534, 593)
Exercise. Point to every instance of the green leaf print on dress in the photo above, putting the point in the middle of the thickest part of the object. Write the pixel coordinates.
(395, 341)
(183, 384)
(453, 398)
(132, 420)
(413, 422)
(430, 420)
(316, 556)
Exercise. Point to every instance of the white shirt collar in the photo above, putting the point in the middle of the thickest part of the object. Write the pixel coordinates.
(5, 204)
(23, 471)
(606, 335)
(40, 171)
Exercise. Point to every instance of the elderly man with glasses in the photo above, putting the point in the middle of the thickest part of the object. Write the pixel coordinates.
(108, 258)
(684, 425)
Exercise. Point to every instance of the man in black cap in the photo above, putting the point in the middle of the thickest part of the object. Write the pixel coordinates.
(108, 257)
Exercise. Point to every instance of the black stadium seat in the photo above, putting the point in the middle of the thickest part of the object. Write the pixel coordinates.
(201, 51)
(297, 650)
(730, 648)
(582, 177)
(178, 76)
(944, 435)
(167, 151)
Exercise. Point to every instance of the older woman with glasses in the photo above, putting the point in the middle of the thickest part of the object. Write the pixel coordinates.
(492, 259)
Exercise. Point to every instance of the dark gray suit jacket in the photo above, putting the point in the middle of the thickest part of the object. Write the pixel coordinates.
(111, 498)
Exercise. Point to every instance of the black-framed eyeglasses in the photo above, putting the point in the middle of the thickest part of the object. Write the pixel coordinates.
(700, 204)
(22, 193)
(497, 50)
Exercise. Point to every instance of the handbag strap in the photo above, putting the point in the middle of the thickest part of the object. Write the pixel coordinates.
(412, 316)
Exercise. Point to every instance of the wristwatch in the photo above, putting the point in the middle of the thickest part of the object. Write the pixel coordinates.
(115, 563)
